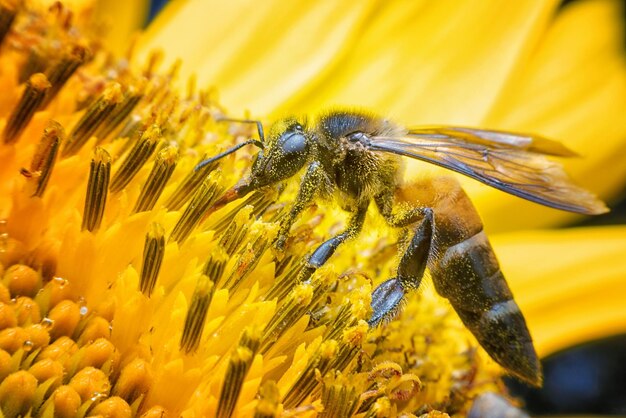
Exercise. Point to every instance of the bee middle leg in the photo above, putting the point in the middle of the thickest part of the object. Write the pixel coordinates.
(326, 249)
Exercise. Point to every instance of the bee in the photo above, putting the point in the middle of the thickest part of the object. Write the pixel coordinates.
(357, 157)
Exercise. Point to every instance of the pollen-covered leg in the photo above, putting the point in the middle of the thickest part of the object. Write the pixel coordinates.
(326, 249)
(466, 272)
(309, 186)
(388, 296)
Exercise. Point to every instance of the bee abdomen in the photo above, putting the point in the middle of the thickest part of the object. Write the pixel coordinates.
(468, 275)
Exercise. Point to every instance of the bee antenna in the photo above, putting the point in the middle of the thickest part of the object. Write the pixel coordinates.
(228, 152)
(259, 125)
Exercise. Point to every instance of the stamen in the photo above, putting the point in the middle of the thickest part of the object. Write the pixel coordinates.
(30, 101)
(258, 200)
(339, 399)
(188, 186)
(136, 158)
(204, 197)
(341, 321)
(286, 275)
(58, 74)
(94, 116)
(8, 11)
(45, 156)
(118, 114)
(240, 362)
(196, 315)
(215, 265)
(163, 167)
(303, 298)
(249, 257)
(153, 251)
(318, 365)
(236, 231)
(97, 187)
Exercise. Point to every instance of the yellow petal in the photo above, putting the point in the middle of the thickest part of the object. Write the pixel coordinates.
(435, 62)
(386, 56)
(569, 283)
(122, 20)
(258, 54)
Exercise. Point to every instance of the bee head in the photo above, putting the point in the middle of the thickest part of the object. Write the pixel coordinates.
(285, 153)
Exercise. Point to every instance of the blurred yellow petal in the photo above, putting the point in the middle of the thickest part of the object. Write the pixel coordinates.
(258, 54)
(74, 5)
(121, 20)
(433, 62)
(569, 283)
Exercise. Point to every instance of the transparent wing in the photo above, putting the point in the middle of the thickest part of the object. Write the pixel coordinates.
(514, 163)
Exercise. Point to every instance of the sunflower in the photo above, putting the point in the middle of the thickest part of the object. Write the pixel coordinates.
(124, 292)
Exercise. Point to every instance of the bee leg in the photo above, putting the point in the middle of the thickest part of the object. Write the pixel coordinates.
(398, 219)
(328, 247)
(388, 296)
(309, 185)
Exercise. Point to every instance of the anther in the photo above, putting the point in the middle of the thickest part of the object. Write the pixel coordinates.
(163, 167)
(206, 194)
(269, 400)
(31, 99)
(63, 69)
(318, 365)
(136, 158)
(339, 400)
(215, 264)
(248, 258)
(188, 186)
(238, 366)
(153, 251)
(119, 114)
(94, 116)
(236, 231)
(97, 188)
(196, 315)
(45, 156)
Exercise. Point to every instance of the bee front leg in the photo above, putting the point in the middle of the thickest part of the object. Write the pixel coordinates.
(388, 296)
(310, 184)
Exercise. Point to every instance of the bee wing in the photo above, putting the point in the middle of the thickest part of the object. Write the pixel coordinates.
(490, 138)
(514, 163)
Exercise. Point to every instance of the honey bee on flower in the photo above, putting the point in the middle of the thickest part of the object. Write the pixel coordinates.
(144, 275)
(353, 154)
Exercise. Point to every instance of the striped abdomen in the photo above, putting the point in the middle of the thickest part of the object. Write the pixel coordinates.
(468, 275)
(466, 272)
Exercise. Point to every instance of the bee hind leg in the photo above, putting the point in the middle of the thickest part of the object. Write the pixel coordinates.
(389, 295)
